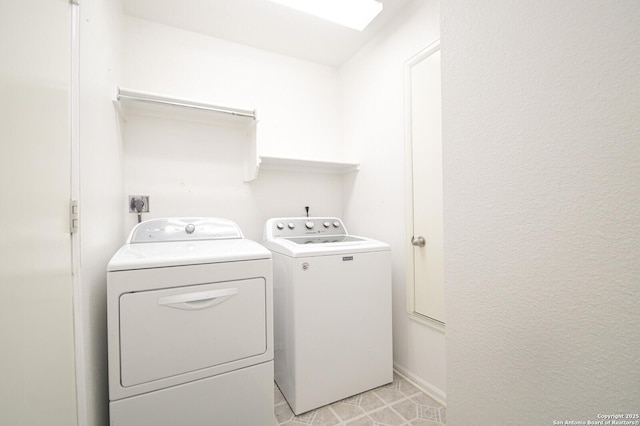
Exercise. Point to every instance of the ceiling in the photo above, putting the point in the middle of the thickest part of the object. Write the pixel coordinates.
(265, 25)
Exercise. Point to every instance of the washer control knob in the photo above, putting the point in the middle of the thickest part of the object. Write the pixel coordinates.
(309, 224)
(291, 225)
(280, 226)
(190, 228)
(336, 224)
(326, 224)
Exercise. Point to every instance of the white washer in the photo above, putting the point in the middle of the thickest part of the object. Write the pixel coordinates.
(332, 311)
(190, 330)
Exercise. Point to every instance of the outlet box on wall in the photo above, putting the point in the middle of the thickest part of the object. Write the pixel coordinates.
(138, 204)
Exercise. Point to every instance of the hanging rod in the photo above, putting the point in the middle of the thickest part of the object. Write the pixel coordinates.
(124, 94)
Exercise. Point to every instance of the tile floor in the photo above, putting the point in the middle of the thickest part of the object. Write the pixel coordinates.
(397, 404)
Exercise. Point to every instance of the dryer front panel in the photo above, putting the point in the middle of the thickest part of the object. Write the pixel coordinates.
(172, 331)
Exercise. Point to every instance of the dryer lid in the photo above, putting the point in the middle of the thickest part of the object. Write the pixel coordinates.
(184, 229)
(187, 241)
(185, 253)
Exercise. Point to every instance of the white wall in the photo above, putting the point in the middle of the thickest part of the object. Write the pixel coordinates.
(542, 181)
(297, 101)
(196, 169)
(373, 122)
(101, 221)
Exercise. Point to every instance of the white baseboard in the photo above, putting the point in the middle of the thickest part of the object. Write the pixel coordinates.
(431, 390)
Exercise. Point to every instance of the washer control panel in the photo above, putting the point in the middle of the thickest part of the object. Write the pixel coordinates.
(303, 226)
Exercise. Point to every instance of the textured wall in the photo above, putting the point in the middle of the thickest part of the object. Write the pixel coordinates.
(541, 107)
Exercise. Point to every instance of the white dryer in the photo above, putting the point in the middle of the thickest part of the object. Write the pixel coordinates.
(189, 315)
(332, 311)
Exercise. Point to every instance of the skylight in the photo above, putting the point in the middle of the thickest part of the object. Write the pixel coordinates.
(356, 14)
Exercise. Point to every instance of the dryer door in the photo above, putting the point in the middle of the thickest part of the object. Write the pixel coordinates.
(168, 332)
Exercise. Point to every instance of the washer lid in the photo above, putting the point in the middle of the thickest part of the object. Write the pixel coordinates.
(305, 247)
(315, 236)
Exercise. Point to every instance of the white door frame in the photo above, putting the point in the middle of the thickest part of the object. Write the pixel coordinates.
(410, 272)
(78, 318)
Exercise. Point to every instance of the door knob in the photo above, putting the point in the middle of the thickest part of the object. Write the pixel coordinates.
(418, 241)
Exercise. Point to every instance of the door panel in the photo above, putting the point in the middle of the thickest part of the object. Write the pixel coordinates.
(426, 165)
(38, 378)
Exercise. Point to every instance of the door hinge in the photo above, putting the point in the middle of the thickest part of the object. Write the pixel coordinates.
(74, 216)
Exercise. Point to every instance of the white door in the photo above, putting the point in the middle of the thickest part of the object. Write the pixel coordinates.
(36, 323)
(425, 134)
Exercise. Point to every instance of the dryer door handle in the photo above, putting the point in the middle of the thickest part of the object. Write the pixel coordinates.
(197, 300)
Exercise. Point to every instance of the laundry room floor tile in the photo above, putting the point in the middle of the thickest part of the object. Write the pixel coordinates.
(399, 403)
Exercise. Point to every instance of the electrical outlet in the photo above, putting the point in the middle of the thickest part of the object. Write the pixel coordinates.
(138, 204)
